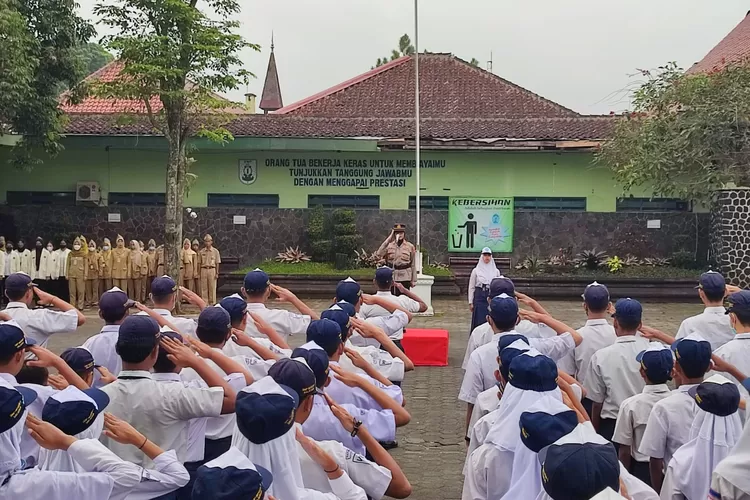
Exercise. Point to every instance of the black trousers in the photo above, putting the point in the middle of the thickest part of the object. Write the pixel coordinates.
(607, 430)
(395, 291)
(641, 471)
(3, 298)
(587, 405)
(214, 449)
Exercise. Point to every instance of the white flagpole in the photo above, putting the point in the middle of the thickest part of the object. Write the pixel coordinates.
(417, 134)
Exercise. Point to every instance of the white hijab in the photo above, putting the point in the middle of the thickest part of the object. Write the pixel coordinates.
(486, 271)
(526, 480)
(711, 439)
(735, 468)
(279, 456)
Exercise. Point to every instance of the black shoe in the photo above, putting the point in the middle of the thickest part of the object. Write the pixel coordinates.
(389, 445)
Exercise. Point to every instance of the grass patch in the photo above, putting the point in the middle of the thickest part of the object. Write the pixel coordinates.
(646, 272)
(325, 269)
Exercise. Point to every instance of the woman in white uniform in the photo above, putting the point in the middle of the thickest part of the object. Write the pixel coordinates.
(479, 286)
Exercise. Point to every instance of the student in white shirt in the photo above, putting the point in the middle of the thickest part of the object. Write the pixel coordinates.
(164, 296)
(656, 369)
(503, 317)
(39, 324)
(737, 350)
(715, 431)
(712, 324)
(731, 478)
(161, 410)
(257, 290)
(113, 309)
(613, 374)
(668, 425)
(269, 347)
(266, 434)
(483, 333)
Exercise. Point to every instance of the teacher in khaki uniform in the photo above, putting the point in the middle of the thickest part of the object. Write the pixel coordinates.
(400, 255)
(120, 265)
(209, 260)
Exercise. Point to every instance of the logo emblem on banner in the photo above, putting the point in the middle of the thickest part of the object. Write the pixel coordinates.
(248, 171)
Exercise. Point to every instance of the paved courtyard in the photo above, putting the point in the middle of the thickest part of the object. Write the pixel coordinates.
(431, 449)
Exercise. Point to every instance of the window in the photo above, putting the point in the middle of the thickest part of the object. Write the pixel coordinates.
(652, 205)
(243, 200)
(543, 203)
(342, 201)
(429, 202)
(157, 199)
(41, 198)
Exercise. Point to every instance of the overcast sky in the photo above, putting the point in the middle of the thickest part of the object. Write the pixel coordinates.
(582, 54)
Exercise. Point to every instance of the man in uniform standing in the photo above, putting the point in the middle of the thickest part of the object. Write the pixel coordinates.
(400, 255)
(210, 260)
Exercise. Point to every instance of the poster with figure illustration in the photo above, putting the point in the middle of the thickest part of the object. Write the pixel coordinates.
(475, 223)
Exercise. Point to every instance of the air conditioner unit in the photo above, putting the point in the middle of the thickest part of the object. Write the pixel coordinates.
(88, 191)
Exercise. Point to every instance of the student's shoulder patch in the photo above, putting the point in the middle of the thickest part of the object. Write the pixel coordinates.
(355, 458)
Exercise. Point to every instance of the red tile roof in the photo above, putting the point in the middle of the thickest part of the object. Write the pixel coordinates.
(449, 88)
(734, 47)
(482, 129)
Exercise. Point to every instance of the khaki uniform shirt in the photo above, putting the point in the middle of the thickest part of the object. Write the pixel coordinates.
(160, 261)
(120, 263)
(94, 263)
(187, 264)
(210, 258)
(76, 266)
(401, 258)
(138, 264)
(151, 262)
(106, 263)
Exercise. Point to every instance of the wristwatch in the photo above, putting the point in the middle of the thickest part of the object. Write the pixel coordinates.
(357, 425)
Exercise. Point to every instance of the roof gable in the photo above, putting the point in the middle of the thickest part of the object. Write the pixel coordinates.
(449, 88)
(732, 48)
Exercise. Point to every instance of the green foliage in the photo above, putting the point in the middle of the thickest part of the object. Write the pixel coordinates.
(38, 57)
(532, 264)
(326, 269)
(687, 134)
(405, 48)
(614, 264)
(591, 259)
(346, 240)
(603, 274)
(317, 235)
(684, 260)
(474, 62)
(93, 57)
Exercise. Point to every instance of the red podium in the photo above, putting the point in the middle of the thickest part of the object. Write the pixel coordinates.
(426, 347)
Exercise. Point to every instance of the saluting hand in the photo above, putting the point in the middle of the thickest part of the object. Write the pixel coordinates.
(202, 349)
(348, 378)
(4, 316)
(121, 431)
(44, 357)
(261, 324)
(57, 381)
(318, 454)
(730, 289)
(343, 416)
(43, 298)
(356, 358)
(369, 299)
(178, 353)
(282, 293)
(106, 375)
(47, 435)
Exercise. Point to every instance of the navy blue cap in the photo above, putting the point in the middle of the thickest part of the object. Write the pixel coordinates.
(716, 395)
(12, 339)
(79, 359)
(739, 302)
(215, 319)
(384, 275)
(13, 402)
(325, 333)
(629, 310)
(508, 339)
(596, 296)
(532, 371)
(73, 410)
(163, 285)
(502, 285)
(656, 361)
(317, 359)
(231, 476)
(265, 410)
(139, 330)
(574, 471)
(114, 303)
(235, 306)
(18, 281)
(347, 307)
(348, 290)
(712, 282)
(163, 355)
(693, 353)
(256, 281)
(295, 374)
(540, 429)
(503, 309)
(509, 353)
(337, 314)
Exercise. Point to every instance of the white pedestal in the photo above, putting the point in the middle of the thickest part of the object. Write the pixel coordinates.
(423, 289)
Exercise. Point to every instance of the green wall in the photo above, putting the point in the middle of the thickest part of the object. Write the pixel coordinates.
(129, 164)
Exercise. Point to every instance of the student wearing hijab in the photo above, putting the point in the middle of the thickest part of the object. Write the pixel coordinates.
(187, 266)
(265, 433)
(77, 272)
(731, 478)
(479, 287)
(105, 276)
(715, 431)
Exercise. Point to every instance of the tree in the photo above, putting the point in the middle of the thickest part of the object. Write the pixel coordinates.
(474, 62)
(93, 57)
(405, 48)
(176, 57)
(687, 134)
(38, 57)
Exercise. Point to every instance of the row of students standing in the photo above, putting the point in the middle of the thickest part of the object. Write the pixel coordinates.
(229, 406)
(622, 370)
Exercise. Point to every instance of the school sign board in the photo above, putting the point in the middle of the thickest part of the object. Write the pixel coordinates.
(475, 223)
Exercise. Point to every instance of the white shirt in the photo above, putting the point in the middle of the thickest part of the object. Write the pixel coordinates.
(40, 324)
(484, 333)
(487, 401)
(480, 372)
(633, 417)
(232, 348)
(186, 326)
(669, 424)
(388, 366)
(343, 394)
(368, 311)
(323, 425)
(488, 473)
(285, 322)
(29, 446)
(597, 334)
(62, 257)
(393, 325)
(737, 352)
(160, 411)
(102, 348)
(712, 324)
(614, 375)
(371, 477)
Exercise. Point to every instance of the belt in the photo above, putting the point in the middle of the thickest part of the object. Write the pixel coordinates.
(208, 267)
(401, 267)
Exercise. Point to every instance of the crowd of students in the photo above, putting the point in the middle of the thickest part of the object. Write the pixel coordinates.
(572, 414)
(160, 406)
